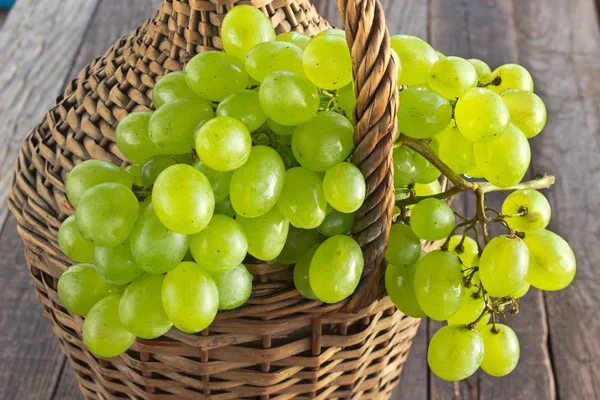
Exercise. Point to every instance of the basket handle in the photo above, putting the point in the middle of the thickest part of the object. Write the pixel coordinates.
(375, 77)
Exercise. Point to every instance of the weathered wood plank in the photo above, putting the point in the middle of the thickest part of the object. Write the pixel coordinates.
(559, 43)
(37, 46)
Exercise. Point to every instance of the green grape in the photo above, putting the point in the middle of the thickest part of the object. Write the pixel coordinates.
(327, 62)
(257, 185)
(141, 310)
(399, 284)
(522, 291)
(171, 87)
(172, 126)
(155, 248)
(302, 200)
(265, 58)
(455, 150)
(332, 32)
(505, 161)
(502, 350)
(243, 28)
(289, 99)
(281, 130)
(533, 203)
(336, 223)
(503, 265)
(224, 207)
(245, 107)
(432, 219)
(72, 244)
(299, 39)
(323, 142)
(416, 56)
(223, 144)
(103, 331)
(136, 174)
(466, 252)
(470, 309)
(481, 67)
(301, 270)
(396, 58)
(116, 264)
(481, 115)
(106, 213)
(422, 112)
(132, 137)
(266, 234)
(404, 247)
(427, 189)
(451, 76)
(183, 199)
(90, 173)
(527, 111)
(508, 76)
(438, 284)
(80, 287)
(474, 172)
(455, 352)
(234, 286)
(298, 242)
(335, 269)
(153, 167)
(221, 246)
(287, 156)
(344, 187)
(347, 100)
(552, 263)
(215, 75)
(219, 180)
(405, 166)
(190, 297)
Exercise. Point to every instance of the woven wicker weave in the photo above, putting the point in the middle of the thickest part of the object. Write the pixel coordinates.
(279, 345)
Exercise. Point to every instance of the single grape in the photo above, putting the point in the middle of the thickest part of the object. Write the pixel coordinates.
(455, 352)
(427, 189)
(281, 130)
(106, 213)
(302, 200)
(432, 219)
(243, 28)
(438, 284)
(301, 270)
(245, 107)
(141, 310)
(136, 174)
(90, 173)
(399, 284)
(474, 172)
(172, 126)
(327, 62)
(116, 264)
(215, 75)
(219, 181)
(223, 144)
(153, 167)
(502, 350)
(466, 250)
(455, 150)
(416, 56)
(422, 112)
(72, 244)
(505, 161)
(535, 206)
(323, 142)
(405, 166)
(451, 76)
(404, 247)
(335, 269)
(183, 199)
(266, 234)
(257, 185)
(344, 187)
(265, 58)
(481, 115)
(155, 248)
(80, 287)
(299, 39)
(347, 100)
(103, 331)
(527, 111)
(224, 207)
(552, 263)
(522, 291)
(331, 32)
(171, 87)
(471, 308)
(481, 67)
(426, 171)
(298, 242)
(503, 265)
(508, 76)
(289, 99)
(234, 286)
(336, 223)
(132, 137)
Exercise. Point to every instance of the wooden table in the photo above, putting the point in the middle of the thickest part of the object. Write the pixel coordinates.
(44, 43)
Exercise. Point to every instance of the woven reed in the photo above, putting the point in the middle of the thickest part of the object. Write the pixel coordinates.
(279, 345)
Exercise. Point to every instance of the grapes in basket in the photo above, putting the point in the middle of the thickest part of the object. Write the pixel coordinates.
(246, 159)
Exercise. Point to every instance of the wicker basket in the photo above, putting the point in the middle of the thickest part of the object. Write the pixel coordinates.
(279, 345)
